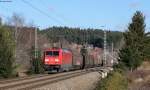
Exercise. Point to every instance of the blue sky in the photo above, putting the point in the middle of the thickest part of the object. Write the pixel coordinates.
(113, 14)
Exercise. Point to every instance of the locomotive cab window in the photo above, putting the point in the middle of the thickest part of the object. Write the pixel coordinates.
(55, 53)
(49, 53)
(52, 53)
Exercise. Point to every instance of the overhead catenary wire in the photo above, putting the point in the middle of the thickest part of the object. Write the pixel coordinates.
(42, 12)
(57, 14)
(5, 1)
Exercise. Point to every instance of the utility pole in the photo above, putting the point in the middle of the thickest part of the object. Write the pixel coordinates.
(105, 45)
(35, 53)
(16, 37)
(61, 38)
(112, 53)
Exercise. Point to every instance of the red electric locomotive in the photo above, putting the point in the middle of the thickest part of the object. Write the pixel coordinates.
(58, 59)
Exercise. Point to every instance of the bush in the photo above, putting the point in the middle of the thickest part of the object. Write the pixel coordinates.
(114, 81)
(37, 66)
(7, 48)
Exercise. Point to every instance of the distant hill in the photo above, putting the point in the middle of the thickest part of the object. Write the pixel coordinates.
(80, 36)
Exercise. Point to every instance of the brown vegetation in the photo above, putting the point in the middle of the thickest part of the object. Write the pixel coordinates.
(140, 78)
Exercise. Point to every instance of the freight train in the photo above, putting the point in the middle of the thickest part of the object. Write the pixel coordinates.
(60, 59)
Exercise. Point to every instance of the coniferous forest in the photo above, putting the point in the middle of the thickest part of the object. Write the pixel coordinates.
(80, 36)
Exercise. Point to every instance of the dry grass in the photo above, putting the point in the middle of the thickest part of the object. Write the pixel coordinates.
(140, 79)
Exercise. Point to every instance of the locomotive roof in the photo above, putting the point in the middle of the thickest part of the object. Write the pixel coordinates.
(64, 49)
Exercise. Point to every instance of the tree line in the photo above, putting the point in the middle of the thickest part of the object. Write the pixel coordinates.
(81, 36)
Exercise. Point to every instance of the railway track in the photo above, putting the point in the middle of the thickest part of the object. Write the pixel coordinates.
(21, 78)
(5, 81)
(29, 83)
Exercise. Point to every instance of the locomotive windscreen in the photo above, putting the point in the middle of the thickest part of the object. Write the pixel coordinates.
(52, 53)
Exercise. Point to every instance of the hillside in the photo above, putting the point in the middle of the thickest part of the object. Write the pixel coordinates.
(80, 36)
(64, 37)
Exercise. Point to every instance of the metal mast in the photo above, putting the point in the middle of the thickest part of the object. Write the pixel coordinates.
(35, 54)
(105, 44)
(112, 52)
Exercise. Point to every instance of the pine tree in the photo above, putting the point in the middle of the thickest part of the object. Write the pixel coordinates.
(132, 54)
(7, 47)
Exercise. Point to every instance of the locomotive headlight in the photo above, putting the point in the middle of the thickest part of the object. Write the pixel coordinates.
(56, 60)
(46, 60)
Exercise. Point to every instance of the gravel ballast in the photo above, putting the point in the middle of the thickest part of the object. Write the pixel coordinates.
(83, 82)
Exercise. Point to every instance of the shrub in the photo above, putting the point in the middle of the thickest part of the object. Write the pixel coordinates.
(7, 48)
(37, 66)
(114, 81)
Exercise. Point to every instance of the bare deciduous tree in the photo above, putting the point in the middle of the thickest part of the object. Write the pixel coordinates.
(16, 20)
